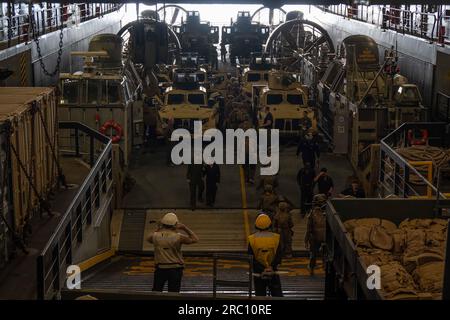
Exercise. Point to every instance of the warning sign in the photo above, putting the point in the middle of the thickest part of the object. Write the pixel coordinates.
(367, 56)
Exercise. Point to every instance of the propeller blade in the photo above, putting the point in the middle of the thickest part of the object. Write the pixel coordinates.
(271, 16)
(289, 39)
(316, 43)
(175, 15)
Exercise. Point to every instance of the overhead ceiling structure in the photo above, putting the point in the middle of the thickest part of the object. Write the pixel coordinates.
(267, 3)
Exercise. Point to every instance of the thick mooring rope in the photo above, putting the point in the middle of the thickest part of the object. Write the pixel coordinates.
(438, 156)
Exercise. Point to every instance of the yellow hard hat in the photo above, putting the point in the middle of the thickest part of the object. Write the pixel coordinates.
(263, 222)
(169, 219)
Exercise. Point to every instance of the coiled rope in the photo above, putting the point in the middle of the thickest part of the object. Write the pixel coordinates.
(438, 156)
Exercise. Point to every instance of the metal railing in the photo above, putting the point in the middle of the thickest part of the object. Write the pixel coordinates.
(364, 157)
(86, 208)
(17, 28)
(396, 172)
(217, 281)
(416, 20)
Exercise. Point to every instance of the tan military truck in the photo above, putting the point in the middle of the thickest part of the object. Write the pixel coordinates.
(256, 74)
(186, 101)
(104, 95)
(288, 102)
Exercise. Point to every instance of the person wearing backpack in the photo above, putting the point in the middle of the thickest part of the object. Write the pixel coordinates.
(283, 224)
(265, 248)
(315, 229)
(268, 201)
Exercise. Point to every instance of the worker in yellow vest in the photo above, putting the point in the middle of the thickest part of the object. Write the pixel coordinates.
(265, 248)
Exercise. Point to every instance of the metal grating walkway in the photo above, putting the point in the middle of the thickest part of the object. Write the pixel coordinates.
(135, 274)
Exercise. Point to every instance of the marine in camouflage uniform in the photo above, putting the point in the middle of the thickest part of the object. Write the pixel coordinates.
(305, 124)
(267, 180)
(268, 201)
(283, 224)
(313, 237)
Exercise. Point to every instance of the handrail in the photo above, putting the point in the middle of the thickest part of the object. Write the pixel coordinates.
(88, 130)
(393, 140)
(364, 157)
(404, 19)
(49, 19)
(82, 211)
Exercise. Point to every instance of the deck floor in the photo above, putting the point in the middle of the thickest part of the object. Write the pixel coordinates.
(160, 189)
(135, 274)
(158, 186)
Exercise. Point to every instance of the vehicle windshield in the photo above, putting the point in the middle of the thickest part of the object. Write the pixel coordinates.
(196, 98)
(274, 99)
(175, 98)
(113, 92)
(296, 99)
(70, 91)
(92, 88)
(253, 77)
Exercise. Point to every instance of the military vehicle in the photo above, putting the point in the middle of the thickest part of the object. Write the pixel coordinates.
(150, 14)
(187, 101)
(256, 74)
(288, 103)
(103, 95)
(199, 37)
(147, 42)
(361, 100)
(244, 37)
(192, 62)
(118, 75)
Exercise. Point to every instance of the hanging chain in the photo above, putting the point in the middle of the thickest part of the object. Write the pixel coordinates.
(38, 48)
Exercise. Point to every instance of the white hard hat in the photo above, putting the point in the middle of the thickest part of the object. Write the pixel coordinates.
(169, 219)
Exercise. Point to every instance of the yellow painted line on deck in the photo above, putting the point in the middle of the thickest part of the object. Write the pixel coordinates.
(244, 203)
(89, 263)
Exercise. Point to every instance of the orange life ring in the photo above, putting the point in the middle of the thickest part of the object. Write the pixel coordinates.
(116, 127)
(417, 142)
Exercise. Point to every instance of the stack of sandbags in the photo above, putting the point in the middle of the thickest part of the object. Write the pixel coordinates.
(411, 256)
(424, 241)
(396, 282)
(372, 232)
